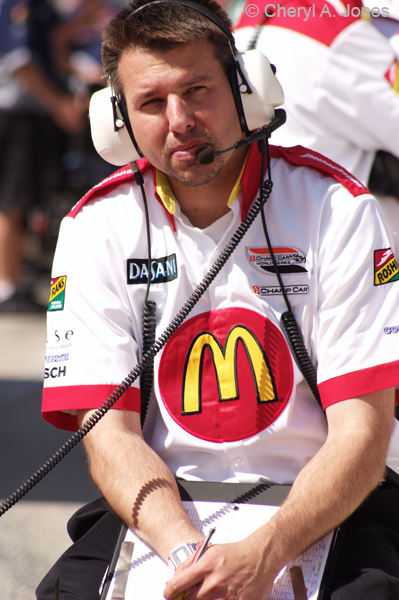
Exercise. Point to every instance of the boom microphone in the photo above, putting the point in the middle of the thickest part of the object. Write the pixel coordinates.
(206, 155)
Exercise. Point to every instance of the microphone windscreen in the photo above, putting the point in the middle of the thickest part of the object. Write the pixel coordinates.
(205, 156)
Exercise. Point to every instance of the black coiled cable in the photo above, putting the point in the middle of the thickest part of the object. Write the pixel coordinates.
(149, 309)
(147, 377)
(301, 353)
(148, 356)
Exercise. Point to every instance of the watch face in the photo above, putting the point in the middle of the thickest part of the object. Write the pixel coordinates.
(180, 553)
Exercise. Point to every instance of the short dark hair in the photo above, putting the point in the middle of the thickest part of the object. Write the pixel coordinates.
(161, 27)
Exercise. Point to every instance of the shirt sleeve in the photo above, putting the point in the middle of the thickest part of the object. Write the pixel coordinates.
(91, 341)
(358, 300)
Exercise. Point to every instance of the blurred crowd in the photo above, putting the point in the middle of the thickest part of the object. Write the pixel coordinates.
(50, 65)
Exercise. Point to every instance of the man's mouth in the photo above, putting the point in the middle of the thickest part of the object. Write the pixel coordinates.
(185, 152)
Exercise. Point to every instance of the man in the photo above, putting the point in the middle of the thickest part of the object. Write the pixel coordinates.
(229, 401)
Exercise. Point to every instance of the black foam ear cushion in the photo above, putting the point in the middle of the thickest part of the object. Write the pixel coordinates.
(125, 117)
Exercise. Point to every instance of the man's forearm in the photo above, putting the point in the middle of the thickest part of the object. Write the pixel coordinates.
(138, 485)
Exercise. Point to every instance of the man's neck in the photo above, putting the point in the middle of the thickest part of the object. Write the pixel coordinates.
(205, 204)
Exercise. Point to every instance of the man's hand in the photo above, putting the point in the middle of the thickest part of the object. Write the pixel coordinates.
(235, 571)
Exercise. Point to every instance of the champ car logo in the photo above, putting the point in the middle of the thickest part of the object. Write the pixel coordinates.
(226, 375)
(385, 267)
(289, 260)
(275, 290)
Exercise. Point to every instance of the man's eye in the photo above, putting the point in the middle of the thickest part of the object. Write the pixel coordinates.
(196, 88)
(150, 102)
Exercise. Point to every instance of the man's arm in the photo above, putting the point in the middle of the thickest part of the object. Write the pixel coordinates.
(66, 111)
(136, 482)
(330, 488)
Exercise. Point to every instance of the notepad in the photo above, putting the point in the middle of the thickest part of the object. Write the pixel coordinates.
(148, 573)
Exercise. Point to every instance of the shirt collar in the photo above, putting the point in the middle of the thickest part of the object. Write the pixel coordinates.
(248, 182)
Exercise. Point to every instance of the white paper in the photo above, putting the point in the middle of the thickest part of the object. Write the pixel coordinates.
(148, 573)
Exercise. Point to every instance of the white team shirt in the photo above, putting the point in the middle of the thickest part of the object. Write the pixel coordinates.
(229, 402)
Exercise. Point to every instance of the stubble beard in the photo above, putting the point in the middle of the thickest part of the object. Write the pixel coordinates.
(191, 173)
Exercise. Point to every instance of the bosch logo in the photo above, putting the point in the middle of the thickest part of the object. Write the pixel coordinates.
(55, 372)
(393, 329)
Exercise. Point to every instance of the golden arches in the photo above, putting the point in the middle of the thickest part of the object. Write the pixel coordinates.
(225, 361)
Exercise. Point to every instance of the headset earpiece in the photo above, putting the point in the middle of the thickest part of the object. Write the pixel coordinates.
(260, 90)
(109, 129)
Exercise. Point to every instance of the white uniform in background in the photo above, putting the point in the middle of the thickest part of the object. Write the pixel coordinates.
(340, 78)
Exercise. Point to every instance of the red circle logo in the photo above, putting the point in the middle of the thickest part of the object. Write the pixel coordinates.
(226, 375)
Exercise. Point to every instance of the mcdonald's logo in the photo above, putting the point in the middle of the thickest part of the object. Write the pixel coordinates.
(226, 375)
(225, 361)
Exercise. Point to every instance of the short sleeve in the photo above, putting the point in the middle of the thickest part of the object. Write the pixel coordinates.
(358, 300)
(91, 340)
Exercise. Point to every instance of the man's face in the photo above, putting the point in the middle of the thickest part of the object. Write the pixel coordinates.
(179, 101)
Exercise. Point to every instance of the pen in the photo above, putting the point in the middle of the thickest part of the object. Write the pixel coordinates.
(197, 555)
(201, 549)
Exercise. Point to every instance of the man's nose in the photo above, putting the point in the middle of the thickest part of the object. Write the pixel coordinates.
(180, 115)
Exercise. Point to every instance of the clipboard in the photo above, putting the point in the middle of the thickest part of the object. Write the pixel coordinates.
(228, 506)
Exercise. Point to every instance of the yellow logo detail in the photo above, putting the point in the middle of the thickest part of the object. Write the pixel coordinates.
(225, 362)
(386, 273)
(392, 76)
(57, 287)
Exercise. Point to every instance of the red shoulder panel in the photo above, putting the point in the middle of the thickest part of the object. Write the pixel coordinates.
(122, 175)
(318, 19)
(298, 155)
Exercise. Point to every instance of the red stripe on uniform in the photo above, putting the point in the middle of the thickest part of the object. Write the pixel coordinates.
(86, 397)
(358, 383)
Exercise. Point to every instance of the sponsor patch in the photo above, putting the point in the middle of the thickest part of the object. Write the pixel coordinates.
(289, 260)
(226, 375)
(385, 267)
(54, 373)
(162, 270)
(275, 290)
(57, 293)
(392, 76)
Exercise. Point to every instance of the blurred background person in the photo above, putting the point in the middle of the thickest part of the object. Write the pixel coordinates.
(49, 66)
(340, 77)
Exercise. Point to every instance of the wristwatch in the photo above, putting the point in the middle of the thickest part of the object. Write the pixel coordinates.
(181, 552)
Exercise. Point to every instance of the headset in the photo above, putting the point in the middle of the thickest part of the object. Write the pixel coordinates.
(255, 87)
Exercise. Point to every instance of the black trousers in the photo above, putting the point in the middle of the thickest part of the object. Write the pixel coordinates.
(367, 567)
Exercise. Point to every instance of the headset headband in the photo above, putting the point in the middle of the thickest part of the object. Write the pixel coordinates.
(204, 10)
